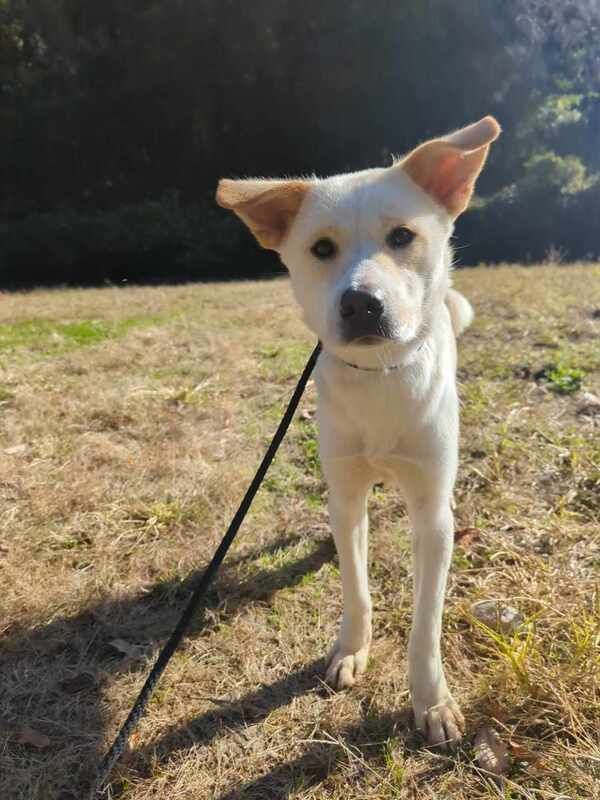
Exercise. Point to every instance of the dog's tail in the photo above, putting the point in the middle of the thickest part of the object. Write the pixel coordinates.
(461, 311)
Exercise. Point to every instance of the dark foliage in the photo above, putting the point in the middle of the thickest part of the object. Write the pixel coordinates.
(148, 242)
(109, 111)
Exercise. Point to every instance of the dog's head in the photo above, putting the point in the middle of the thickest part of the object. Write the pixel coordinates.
(368, 251)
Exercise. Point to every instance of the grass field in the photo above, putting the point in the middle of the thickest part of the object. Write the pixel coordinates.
(130, 422)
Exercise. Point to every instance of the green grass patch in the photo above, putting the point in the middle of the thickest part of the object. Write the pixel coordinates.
(163, 515)
(187, 396)
(565, 380)
(283, 361)
(314, 500)
(5, 395)
(285, 479)
(309, 445)
(48, 336)
(515, 649)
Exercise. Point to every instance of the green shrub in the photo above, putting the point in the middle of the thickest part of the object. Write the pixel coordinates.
(565, 380)
(552, 208)
(152, 241)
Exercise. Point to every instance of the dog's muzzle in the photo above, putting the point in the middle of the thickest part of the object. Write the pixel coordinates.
(362, 314)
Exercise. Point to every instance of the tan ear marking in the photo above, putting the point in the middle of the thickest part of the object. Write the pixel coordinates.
(268, 207)
(447, 168)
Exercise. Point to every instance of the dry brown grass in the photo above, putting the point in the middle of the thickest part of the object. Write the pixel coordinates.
(130, 422)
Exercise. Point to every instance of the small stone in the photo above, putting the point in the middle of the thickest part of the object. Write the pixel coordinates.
(16, 450)
(523, 372)
(497, 616)
(590, 404)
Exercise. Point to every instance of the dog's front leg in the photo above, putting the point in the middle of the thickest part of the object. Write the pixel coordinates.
(436, 713)
(349, 485)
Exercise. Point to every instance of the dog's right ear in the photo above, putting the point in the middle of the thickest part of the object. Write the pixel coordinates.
(268, 207)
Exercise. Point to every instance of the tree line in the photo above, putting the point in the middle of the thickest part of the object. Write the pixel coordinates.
(117, 119)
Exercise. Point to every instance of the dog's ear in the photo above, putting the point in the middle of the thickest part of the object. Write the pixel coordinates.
(268, 207)
(447, 168)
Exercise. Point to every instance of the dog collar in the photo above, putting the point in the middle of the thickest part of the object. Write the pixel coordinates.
(370, 369)
(376, 369)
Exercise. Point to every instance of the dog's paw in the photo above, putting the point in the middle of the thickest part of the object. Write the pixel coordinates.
(442, 723)
(344, 668)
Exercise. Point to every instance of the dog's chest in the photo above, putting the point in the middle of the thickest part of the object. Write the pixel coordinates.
(371, 413)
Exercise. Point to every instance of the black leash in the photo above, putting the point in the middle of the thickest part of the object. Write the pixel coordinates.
(139, 707)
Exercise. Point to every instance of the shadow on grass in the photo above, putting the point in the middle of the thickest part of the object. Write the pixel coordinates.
(322, 760)
(51, 677)
(353, 748)
(250, 709)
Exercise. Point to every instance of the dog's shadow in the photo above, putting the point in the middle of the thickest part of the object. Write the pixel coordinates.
(53, 678)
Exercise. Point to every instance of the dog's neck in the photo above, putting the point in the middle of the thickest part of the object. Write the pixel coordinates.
(384, 366)
(389, 358)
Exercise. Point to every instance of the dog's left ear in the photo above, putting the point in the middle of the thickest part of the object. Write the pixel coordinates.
(447, 168)
(268, 207)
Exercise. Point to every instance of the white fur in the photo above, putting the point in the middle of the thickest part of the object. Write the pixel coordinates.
(461, 311)
(388, 411)
(400, 425)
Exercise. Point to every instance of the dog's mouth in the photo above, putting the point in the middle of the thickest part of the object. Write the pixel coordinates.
(371, 340)
(370, 335)
(368, 331)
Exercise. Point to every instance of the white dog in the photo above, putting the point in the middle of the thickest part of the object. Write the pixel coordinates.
(369, 259)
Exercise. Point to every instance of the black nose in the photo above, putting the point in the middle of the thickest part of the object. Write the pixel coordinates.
(361, 311)
(361, 303)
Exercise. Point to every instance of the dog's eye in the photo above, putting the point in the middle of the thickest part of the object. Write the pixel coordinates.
(323, 249)
(399, 237)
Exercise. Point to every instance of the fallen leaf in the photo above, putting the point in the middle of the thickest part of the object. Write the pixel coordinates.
(590, 405)
(34, 738)
(539, 767)
(491, 754)
(521, 753)
(466, 537)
